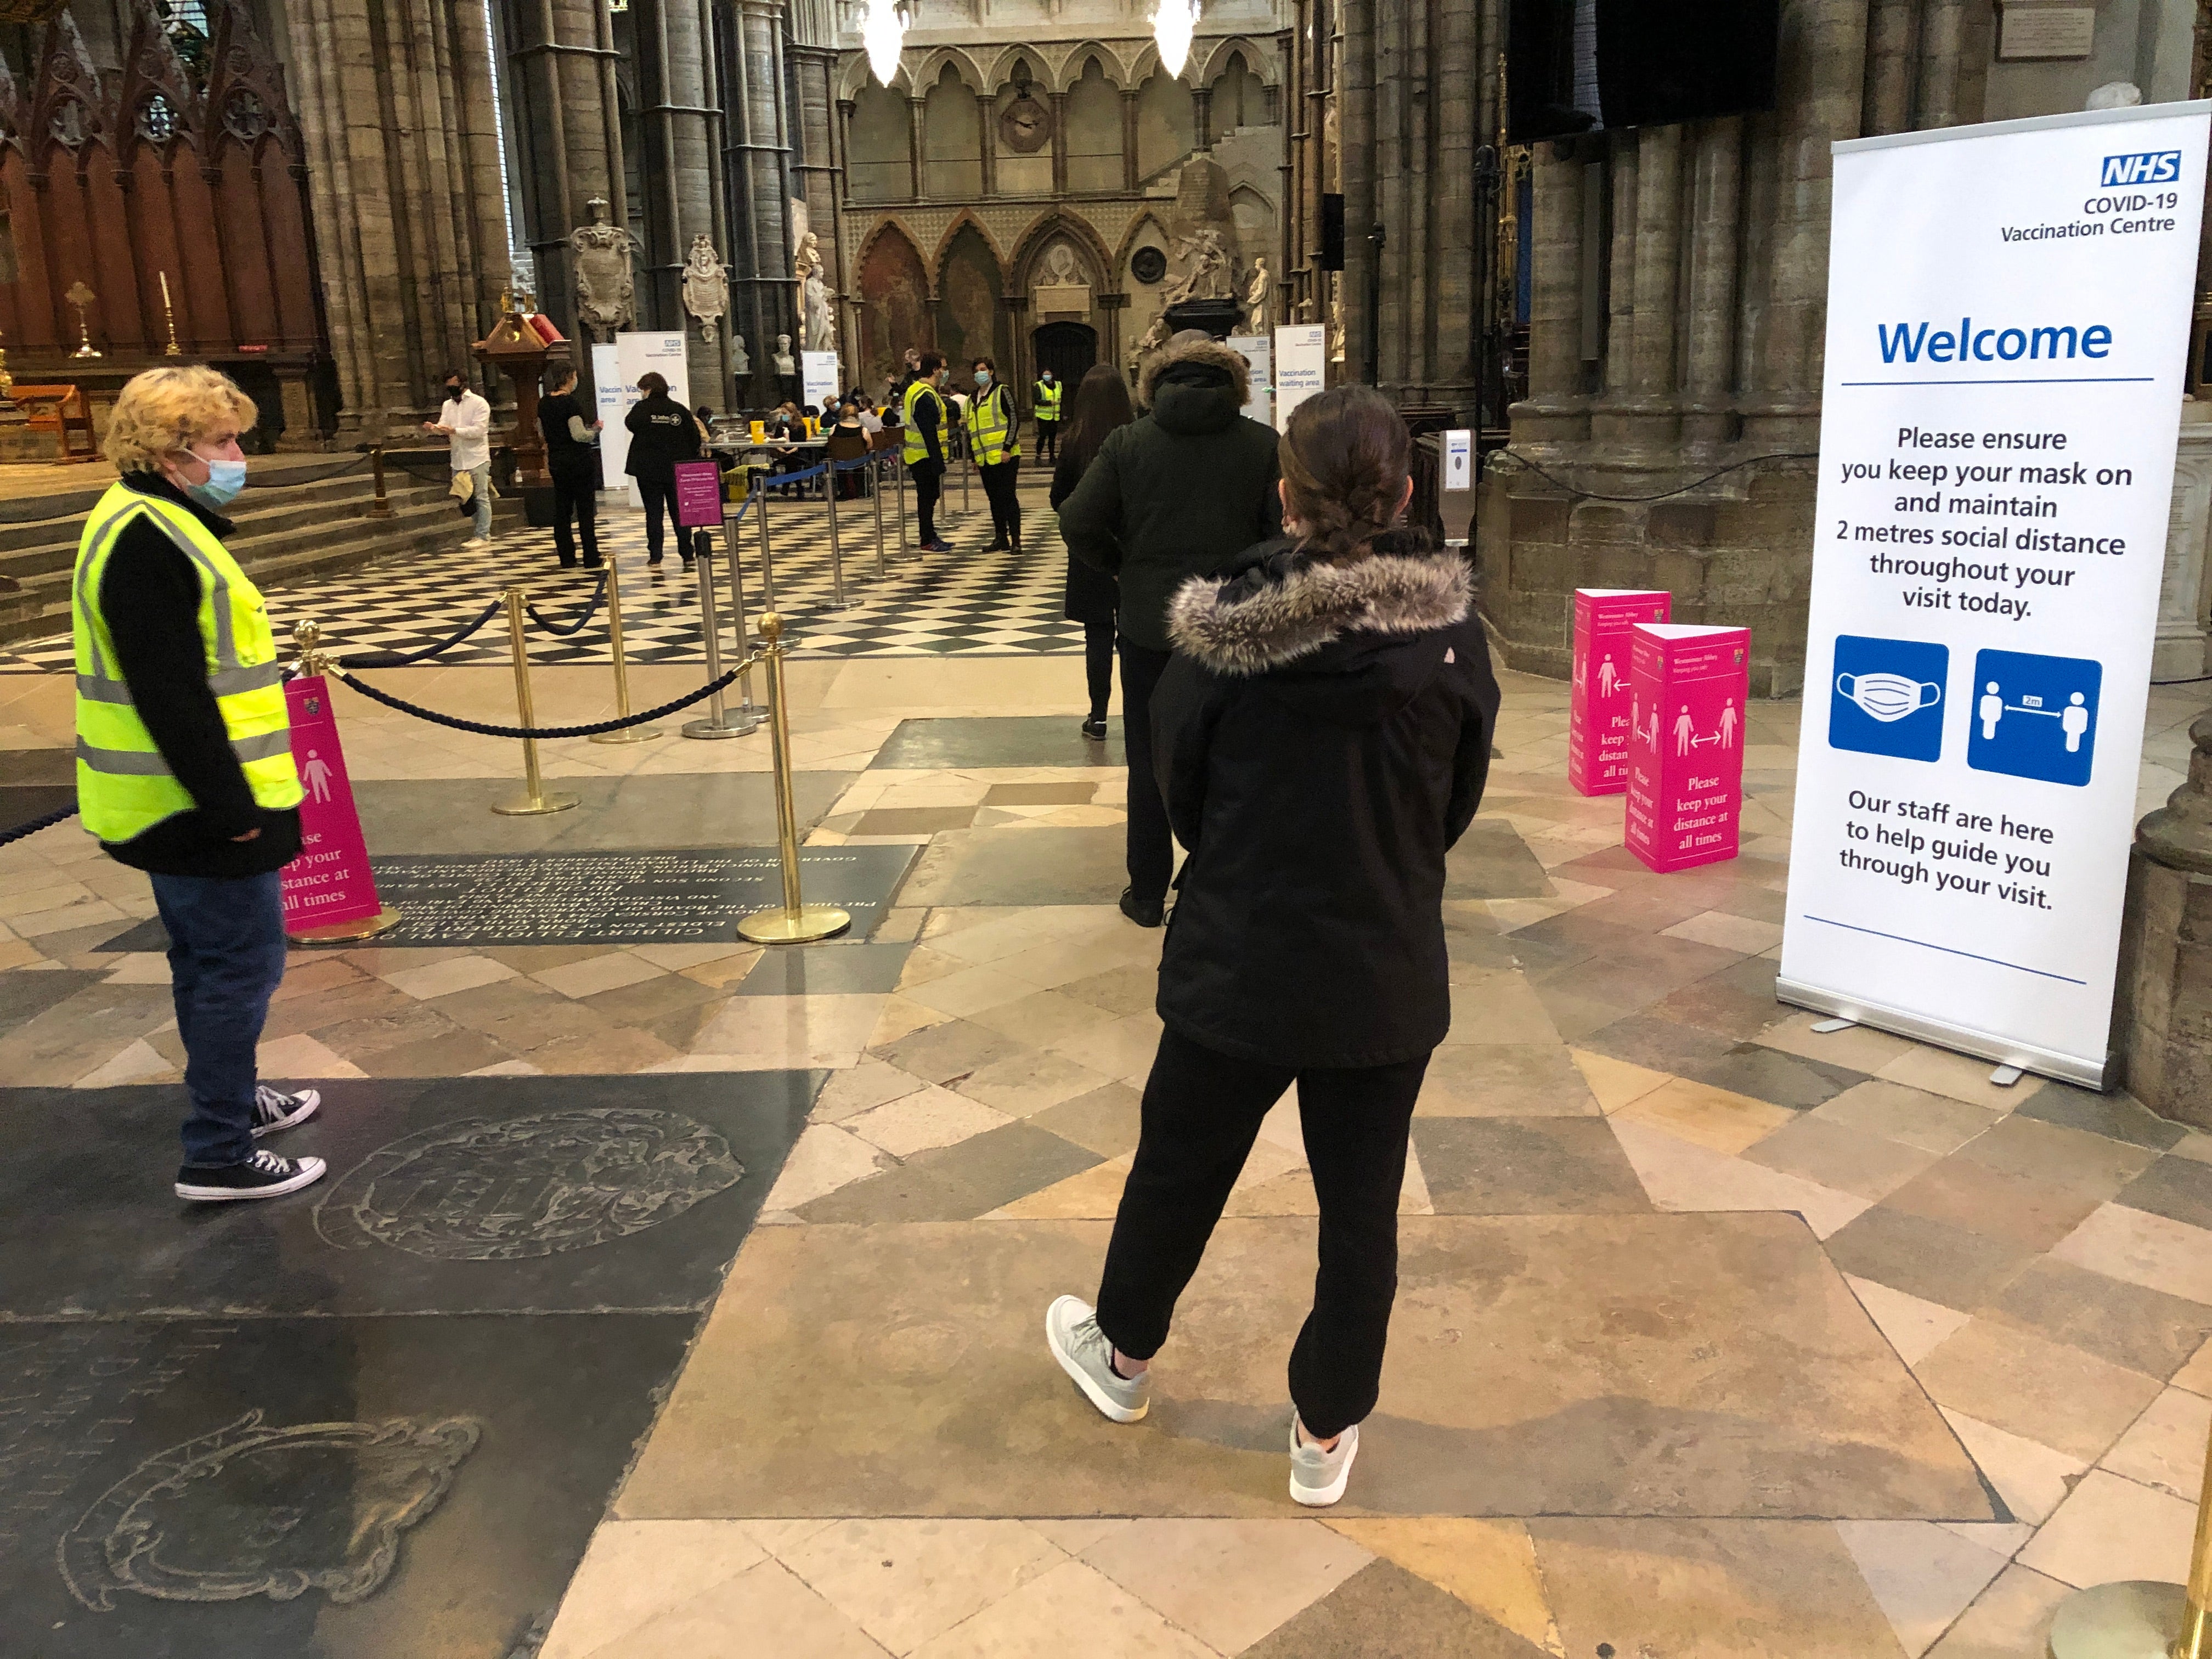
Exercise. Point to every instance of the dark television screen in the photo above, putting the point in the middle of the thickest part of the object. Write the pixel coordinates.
(1579, 65)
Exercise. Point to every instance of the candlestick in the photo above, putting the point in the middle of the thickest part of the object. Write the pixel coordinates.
(169, 317)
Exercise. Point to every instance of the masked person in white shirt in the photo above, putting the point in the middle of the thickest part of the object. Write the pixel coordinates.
(465, 421)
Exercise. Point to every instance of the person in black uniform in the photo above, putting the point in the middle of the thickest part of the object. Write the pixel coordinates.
(662, 432)
(573, 460)
(1102, 404)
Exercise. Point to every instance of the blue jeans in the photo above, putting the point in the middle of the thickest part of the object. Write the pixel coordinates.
(480, 503)
(225, 960)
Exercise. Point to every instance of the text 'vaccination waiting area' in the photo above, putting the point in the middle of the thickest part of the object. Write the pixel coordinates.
(1262, 830)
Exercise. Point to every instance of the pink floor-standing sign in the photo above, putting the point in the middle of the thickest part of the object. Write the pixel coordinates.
(330, 882)
(1687, 688)
(1597, 721)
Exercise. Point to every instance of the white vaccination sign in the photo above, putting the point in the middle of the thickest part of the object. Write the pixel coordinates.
(1301, 367)
(2008, 313)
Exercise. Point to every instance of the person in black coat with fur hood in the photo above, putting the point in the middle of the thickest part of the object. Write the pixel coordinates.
(1177, 493)
(1321, 739)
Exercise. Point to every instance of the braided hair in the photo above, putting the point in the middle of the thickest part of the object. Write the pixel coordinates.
(1346, 456)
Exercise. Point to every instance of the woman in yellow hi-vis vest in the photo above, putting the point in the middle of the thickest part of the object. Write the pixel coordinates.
(183, 756)
(993, 438)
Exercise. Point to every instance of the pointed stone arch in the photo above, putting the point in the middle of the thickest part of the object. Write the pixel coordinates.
(930, 69)
(1041, 73)
(896, 296)
(857, 75)
(1111, 64)
(966, 216)
(1259, 60)
(1043, 231)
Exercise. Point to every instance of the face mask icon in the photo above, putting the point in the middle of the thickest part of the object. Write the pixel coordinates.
(1888, 697)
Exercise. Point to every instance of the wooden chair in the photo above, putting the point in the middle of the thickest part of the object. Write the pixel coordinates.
(62, 411)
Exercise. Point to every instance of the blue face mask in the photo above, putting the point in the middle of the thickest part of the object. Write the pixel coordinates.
(224, 480)
(982, 379)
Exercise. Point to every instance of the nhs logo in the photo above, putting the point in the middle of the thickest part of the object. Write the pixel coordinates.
(2161, 166)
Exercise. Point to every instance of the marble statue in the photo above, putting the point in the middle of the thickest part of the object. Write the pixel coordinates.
(784, 364)
(1207, 277)
(1155, 337)
(807, 269)
(820, 330)
(606, 291)
(1336, 328)
(1259, 300)
(705, 287)
(741, 361)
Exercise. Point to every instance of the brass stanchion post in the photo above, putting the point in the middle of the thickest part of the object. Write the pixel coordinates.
(876, 495)
(768, 563)
(533, 800)
(2142, 1617)
(837, 553)
(898, 486)
(382, 506)
(719, 722)
(746, 707)
(796, 922)
(628, 733)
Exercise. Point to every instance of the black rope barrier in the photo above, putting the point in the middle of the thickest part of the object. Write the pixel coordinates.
(407, 660)
(483, 730)
(563, 630)
(37, 825)
(1582, 494)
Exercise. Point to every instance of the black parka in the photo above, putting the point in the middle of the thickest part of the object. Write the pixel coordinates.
(1179, 491)
(662, 432)
(1321, 739)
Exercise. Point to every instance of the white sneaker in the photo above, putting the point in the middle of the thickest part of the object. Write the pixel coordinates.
(1317, 1477)
(478, 541)
(1071, 1329)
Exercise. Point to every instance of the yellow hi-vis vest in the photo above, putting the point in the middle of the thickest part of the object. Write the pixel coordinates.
(917, 447)
(991, 434)
(1048, 401)
(124, 787)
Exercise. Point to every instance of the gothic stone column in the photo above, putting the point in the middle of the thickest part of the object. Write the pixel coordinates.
(2165, 950)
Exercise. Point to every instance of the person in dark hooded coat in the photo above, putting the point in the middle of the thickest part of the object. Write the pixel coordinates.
(1322, 738)
(1176, 494)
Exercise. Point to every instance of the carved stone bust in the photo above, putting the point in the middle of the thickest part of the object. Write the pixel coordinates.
(784, 363)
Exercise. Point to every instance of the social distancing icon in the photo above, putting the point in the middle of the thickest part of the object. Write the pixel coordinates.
(2034, 716)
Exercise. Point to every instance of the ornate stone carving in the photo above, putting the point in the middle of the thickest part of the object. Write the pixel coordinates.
(818, 324)
(498, 1190)
(606, 292)
(705, 287)
(1155, 337)
(254, 1510)
(783, 358)
(1207, 276)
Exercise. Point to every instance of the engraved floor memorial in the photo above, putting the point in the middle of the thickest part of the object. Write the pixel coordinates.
(667, 1297)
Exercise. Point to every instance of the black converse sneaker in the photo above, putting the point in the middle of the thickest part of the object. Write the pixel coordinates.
(262, 1176)
(274, 1109)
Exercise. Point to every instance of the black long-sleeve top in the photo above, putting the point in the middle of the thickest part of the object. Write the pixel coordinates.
(149, 595)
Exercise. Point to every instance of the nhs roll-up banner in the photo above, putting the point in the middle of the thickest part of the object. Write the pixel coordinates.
(2008, 313)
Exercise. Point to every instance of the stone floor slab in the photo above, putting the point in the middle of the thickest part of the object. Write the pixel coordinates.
(964, 742)
(471, 1194)
(1020, 866)
(1602, 1366)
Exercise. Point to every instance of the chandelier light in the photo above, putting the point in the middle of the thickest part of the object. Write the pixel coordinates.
(1172, 24)
(883, 33)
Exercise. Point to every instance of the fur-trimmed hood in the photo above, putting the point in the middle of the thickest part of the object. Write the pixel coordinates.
(1281, 606)
(1212, 352)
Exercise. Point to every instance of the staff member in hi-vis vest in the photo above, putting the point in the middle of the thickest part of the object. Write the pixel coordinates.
(183, 756)
(993, 424)
(928, 429)
(1045, 411)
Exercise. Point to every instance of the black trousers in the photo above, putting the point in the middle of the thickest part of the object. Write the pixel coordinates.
(928, 483)
(1152, 844)
(1201, 1113)
(577, 495)
(1005, 503)
(1099, 664)
(660, 498)
(1048, 437)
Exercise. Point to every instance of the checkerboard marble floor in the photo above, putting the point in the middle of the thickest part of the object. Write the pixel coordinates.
(961, 603)
(1717, 1336)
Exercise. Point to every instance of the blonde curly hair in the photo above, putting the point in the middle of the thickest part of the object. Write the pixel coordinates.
(166, 409)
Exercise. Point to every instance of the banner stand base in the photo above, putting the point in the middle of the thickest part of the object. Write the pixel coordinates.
(1981, 1045)
(338, 933)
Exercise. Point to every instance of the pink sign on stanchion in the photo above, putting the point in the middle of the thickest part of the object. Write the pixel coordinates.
(698, 496)
(1597, 719)
(1688, 690)
(329, 890)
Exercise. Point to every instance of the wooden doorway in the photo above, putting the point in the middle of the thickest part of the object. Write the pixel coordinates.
(1066, 348)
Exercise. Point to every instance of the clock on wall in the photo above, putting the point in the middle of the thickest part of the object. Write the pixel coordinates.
(1025, 125)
